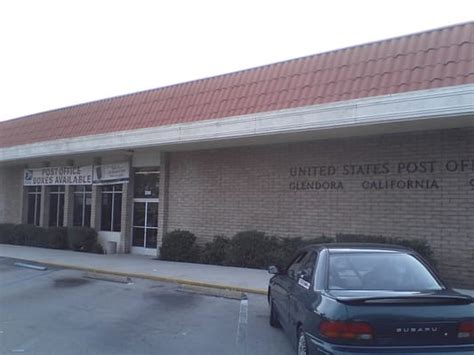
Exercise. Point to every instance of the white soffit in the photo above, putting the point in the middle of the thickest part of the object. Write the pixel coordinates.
(380, 110)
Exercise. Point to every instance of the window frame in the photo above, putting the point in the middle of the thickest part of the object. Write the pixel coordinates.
(296, 263)
(58, 192)
(35, 192)
(309, 260)
(84, 192)
(140, 196)
(143, 172)
(390, 258)
(116, 190)
(145, 227)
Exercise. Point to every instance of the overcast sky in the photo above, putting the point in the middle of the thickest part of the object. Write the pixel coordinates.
(60, 53)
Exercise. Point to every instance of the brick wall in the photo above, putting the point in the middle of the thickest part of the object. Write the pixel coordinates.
(401, 185)
(11, 192)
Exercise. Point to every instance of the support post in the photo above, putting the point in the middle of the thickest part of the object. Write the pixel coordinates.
(163, 206)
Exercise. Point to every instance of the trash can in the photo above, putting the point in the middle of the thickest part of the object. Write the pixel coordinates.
(111, 248)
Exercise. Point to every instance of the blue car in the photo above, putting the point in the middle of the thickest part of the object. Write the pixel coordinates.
(368, 299)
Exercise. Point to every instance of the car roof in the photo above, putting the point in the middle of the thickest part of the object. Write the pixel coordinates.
(359, 247)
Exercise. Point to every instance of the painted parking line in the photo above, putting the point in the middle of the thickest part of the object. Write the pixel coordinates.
(241, 340)
(107, 277)
(31, 266)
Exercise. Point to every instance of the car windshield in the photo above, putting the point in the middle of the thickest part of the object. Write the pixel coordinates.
(379, 271)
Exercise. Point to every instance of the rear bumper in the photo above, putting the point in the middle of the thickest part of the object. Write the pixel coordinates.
(318, 346)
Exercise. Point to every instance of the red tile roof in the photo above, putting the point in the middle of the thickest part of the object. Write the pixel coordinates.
(432, 59)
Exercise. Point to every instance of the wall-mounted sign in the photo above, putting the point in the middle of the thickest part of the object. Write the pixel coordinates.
(65, 175)
(401, 175)
(77, 175)
(111, 173)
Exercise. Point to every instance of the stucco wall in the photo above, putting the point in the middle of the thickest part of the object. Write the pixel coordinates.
(416, 185)
(11, 185)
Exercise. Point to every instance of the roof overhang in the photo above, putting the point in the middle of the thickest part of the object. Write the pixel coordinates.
(446, 107)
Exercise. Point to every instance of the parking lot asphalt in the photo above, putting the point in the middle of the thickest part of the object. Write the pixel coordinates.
(148, 267)
(59, 311)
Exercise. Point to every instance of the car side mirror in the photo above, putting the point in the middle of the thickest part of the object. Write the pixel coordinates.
(273, 270)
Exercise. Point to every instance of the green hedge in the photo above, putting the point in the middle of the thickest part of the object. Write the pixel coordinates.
(216, 252)
(256, 249)
(179, 245)
(24, 234)
(6, 233)
(82, 239)
(287, 247)
(418, 245)
(57, 237)
(75, 238)
(252, 249)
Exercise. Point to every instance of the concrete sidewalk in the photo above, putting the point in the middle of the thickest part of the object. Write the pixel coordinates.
(147, 267)
(225, 277)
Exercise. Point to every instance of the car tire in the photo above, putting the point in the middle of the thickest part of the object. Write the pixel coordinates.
(301, 344)
(274, 322)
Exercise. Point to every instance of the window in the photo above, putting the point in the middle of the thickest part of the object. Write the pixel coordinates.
(379, 271)
(147, 182)
(111, 208)
(296, 265)
(82, 205)
(34, 205)
(145, 224)
(56, 206)
(308, 265)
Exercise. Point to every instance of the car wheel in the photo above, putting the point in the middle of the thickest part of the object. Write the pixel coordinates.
(274, 322)
(301, 345)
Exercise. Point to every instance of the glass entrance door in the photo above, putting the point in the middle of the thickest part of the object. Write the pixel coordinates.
(145, 211)
(145, 226)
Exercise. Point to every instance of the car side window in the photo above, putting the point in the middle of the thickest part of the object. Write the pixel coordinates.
(294, 267)
(307, 266)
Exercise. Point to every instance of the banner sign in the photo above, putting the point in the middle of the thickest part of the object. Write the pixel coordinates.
(78, 175)
(66, 175)
(111, 173)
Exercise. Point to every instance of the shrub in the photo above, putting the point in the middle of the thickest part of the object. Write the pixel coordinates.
(26, 234)
(178, 245)
(420, 246)
(57, 237)
(81, 238)
(19, 234)
(30, 235)
(285, 251)
(97, 248)
(75, 238)
(360, 238)
(217, 251)
(317, 240)
(252, 249)
(6, 232)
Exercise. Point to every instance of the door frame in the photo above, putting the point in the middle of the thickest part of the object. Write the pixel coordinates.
(142, 250)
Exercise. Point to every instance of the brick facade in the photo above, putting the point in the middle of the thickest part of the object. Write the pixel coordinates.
(407, 185)
(410, 185)
(11, 194)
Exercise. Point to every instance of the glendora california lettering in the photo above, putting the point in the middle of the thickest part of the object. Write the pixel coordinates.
(389, 175)
(399, 184)
(316, 185)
